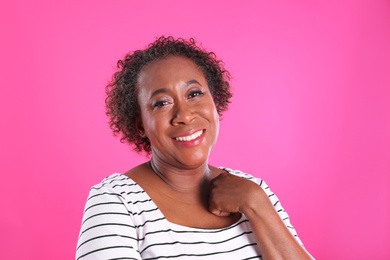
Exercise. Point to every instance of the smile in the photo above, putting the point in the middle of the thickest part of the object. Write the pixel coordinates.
(189, 137)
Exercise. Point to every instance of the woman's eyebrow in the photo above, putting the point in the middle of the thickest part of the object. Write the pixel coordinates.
(193, 81)
(165, 90)
(158, 91)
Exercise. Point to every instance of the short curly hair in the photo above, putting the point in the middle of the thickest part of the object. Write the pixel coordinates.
(122, 106)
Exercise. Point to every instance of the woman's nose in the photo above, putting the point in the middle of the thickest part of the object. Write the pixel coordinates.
(183, 114)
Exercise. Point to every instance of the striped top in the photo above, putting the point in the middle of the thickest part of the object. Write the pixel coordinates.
(122, 222)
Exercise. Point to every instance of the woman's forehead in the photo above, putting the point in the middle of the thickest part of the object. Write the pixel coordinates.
(169, 69)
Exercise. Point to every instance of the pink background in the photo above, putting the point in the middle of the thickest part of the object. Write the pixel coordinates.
(310, 114)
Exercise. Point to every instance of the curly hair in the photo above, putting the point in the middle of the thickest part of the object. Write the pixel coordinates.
(122, 106)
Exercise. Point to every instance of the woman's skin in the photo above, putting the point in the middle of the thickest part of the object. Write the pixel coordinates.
(179, 117)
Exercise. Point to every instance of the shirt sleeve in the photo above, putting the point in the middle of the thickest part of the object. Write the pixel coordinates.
(279, 209)
(107, 229)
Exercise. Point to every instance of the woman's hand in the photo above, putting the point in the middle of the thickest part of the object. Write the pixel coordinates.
(231, 194)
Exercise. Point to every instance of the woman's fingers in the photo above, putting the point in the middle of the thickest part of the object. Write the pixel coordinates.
(230, 194)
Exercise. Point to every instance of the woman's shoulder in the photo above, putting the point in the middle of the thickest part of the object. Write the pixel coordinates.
(119, 181)
(245, 175)
(116, 183)
(116, 189)
(237, 172)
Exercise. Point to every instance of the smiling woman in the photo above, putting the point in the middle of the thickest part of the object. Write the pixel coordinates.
(178, 114)
(166, 100)
(122, 92)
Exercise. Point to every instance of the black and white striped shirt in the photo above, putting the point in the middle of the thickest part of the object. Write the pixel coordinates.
(122, 222)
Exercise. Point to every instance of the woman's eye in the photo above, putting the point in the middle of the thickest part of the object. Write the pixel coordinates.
(195, 94)
(160, 103)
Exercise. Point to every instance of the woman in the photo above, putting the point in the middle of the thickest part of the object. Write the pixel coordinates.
(166, 100)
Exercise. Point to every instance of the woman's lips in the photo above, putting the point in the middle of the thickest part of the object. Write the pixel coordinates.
(190, 140)
(190, 137)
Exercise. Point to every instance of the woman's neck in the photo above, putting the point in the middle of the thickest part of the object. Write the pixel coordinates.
(182, 180)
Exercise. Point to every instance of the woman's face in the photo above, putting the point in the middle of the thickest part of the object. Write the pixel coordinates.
(178, 113)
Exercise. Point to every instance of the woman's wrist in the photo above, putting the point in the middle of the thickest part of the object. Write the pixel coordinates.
(258, 205)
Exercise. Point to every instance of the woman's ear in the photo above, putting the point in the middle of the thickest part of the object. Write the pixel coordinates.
(140, 127)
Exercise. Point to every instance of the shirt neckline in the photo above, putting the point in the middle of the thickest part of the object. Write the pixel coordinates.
(179, 226)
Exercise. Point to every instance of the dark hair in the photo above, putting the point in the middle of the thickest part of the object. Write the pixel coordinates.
(121, 102)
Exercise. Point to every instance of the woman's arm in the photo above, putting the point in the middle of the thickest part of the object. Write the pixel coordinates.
(230, 193)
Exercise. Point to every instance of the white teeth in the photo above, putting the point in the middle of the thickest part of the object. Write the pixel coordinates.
(190, 137)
